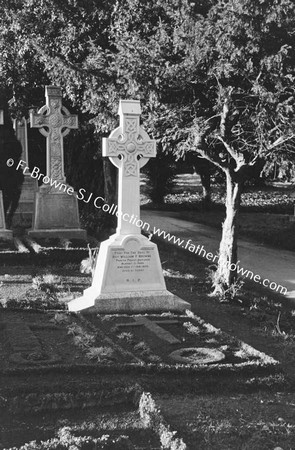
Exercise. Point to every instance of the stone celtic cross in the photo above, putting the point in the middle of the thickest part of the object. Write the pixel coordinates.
(55, 122)
(129, 148)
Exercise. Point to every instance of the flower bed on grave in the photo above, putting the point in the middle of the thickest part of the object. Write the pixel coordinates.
(181, 344)
(160, 343)
(35, 343)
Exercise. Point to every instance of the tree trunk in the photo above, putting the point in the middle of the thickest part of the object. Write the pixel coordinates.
(226, 270)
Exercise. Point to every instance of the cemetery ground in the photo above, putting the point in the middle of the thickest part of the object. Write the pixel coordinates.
(69, 382)
(77, 377)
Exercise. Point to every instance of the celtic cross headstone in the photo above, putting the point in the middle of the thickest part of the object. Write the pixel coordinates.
(129, 148)
(54, 122)
(128, 275)
(56, 208)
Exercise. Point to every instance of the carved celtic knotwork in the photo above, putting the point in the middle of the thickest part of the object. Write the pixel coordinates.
(57, 121)
(130, 126)
(129, 148)
(56, 169)
(131, 144)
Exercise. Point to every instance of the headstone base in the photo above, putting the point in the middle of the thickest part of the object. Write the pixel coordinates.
(56, 215)
(61, 233)
(23, 216)
(128, 278)
(5, 234)
(135, 302)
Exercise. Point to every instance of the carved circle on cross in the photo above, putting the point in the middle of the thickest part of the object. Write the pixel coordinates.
(131, 147)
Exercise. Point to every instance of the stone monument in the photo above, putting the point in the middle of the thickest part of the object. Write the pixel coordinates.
(128, 276)
(23, 215)
(4, 232)
(56, 207)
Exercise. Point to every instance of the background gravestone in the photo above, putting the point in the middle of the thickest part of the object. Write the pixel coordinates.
(10, 179)
(128, 276)
(23, 215)
(56, 208)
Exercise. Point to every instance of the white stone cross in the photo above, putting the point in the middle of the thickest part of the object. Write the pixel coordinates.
(129, 148)
(1, 117)
(54, 121)
(154, 327)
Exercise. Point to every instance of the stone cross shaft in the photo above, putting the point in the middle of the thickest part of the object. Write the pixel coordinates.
(129, 148)
(55, 122)
(1, 117)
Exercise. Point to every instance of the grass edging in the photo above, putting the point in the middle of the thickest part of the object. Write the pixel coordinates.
(152, 418)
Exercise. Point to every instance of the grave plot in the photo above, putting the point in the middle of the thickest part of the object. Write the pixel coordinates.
(60, 384)
(182, 343)
(35, 339)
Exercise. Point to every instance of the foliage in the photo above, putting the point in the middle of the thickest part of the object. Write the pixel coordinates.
(48, 283)
(66, 440)
(151, 416)
(215, 78)
(43, 295)
(100, 354)
(161, 172)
